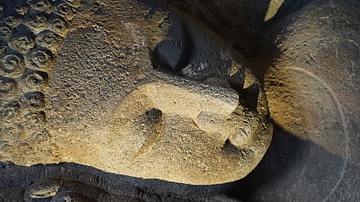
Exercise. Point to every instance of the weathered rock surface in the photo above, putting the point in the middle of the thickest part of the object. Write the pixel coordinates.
(313, 95)
(311, 78)
(309, 65)
(92, 82)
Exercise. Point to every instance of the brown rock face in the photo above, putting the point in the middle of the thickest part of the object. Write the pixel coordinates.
(311, 79)
(128, 87)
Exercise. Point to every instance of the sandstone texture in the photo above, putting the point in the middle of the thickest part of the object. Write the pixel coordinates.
(127, 87)
(306, 57)
(310, 67)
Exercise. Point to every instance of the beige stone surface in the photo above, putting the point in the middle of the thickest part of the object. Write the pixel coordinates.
(120, 86)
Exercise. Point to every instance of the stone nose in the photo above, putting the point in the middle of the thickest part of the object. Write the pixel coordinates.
(208, 106)
(191, 100)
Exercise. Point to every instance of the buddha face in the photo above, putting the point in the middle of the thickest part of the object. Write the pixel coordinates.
(128, 87)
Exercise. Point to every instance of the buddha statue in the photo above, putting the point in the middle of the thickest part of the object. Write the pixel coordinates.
(128, 87)
(150, 100)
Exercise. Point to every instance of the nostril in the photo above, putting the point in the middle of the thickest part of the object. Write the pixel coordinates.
(229, 146)
(154, 114)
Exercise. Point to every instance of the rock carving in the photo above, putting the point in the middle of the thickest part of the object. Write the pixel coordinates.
(144, 93)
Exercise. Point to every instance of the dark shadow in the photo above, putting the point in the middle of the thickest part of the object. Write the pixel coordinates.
(262, 54)
(292, 170)
(241, 24)
(17, 182)
(236, 21)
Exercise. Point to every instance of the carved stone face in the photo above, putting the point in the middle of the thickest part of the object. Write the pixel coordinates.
(128, 87)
